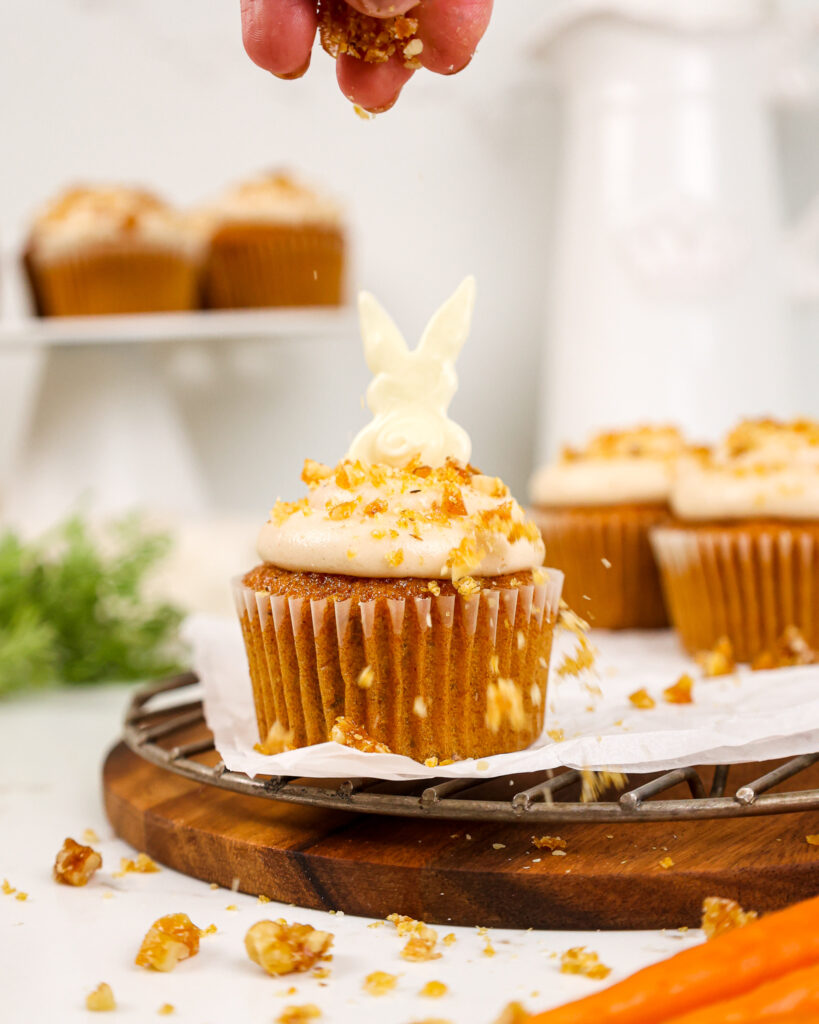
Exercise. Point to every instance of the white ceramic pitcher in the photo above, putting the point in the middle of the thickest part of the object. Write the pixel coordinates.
(669, 284)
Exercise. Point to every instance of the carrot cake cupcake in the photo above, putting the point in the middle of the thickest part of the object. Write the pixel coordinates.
(274, 242)
(111, 249)
(595, 507)
(400, 605)
(741, 557)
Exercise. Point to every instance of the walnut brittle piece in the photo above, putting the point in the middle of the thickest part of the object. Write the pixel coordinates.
(373, 40)
(579, 960)
(298, 1014)
(169, 940)
(719, 661)
(348, 734)
(642, 699)
(379, 983)
(680, 692)
(101, 1000)
(720, 915)
(75, 864)
(282, 948)
(549, 842)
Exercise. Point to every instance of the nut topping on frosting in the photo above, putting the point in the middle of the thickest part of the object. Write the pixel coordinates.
(634, 465)
(762, 468)
(441, 522)
(411, 391)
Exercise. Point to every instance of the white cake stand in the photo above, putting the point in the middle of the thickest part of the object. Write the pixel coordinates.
(90, 414)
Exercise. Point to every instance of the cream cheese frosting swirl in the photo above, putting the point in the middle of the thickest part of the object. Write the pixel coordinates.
(446, 522)
(762, 469)
(616, 467)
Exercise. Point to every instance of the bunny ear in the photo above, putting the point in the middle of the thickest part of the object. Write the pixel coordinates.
(384, 344)
(448, 329)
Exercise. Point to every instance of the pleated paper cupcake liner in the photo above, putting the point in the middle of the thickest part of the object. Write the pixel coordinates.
(266, 265)
(748, 583)
(605, 553)
(114, 279)
(444, 677)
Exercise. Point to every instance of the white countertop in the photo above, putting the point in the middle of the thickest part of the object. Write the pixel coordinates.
(57, 945)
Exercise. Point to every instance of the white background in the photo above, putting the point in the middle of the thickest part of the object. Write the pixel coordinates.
(458, 178)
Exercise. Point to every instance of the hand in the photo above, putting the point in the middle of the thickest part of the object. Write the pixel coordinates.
(279, 34)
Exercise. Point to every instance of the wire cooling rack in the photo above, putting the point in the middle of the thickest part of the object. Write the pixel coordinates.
(165, 724)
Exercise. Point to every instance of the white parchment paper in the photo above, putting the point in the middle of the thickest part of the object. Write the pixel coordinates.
(748, 716)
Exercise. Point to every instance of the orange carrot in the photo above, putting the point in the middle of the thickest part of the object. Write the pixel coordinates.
(728, 966)
(794, 995)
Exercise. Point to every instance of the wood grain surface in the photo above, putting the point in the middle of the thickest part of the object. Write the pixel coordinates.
(468, 873)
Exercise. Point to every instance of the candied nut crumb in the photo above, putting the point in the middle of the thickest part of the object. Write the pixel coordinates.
(90, 836)
(379, 983)
(549, 842)
(504, 702)
(101, 1000)
(366, 678)
(169, 940)
(450, 939)
(488, 949)
(720, 915)
(421, 944)
(557, 735)
(419, 707)
(7, 887)
(341, 510)
(514, 1013)
(262, 898)
(396, 557)
(376, 507)
(680, 692)
(606, 563)
(642, 699)
(719, 661)
(570, 620)
(434, 990)
(282, 948)
(75, 864)
(791, 649)
(579, 960)
(580, 660)
(467, 586)
(298, 1014)
(667, 862)
(373, 40)
(166, 1009)
(348, 734)
(431, 762)
(142, 865)
(210, 930)
(277, 741)
(21, 896)
(434, 588)
(321, 972)
(314, 472)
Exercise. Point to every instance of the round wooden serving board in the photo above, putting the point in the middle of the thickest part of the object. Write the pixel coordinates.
(470, 873)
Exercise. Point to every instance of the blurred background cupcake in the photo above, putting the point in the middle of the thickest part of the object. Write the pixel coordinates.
(741, 558)
(595, 507)
(274, 242)
(111, 249)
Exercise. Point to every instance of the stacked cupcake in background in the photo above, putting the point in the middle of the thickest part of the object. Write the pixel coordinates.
(401, 605)
(112, 249)
(273, 242)
(595, 507)
(741, 557)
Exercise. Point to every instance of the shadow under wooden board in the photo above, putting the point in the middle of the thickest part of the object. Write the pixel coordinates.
(469, 873)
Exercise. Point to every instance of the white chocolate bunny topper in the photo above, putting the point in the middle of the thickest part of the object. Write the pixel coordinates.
(411, 391)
